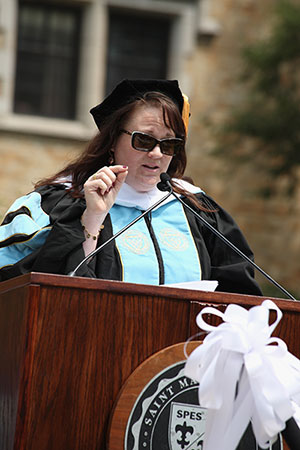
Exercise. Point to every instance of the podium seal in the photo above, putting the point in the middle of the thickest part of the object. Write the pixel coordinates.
(166, 414)
(158, 408)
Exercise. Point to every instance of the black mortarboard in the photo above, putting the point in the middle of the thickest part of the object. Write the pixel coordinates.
(129, 90)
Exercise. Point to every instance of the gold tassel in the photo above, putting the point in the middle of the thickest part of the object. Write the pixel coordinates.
(185, 112)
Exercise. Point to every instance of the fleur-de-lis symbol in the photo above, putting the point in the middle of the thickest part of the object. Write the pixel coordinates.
(184, 430)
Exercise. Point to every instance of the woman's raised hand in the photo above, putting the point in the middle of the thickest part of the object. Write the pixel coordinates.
(100, 192)
(101, 189)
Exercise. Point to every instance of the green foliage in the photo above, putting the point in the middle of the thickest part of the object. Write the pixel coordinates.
(270, 114)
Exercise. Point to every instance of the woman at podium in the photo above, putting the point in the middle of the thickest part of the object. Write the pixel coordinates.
(142, 134)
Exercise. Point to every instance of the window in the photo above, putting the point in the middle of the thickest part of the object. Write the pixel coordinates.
(60, 57)
(138, 47)
(47, 60)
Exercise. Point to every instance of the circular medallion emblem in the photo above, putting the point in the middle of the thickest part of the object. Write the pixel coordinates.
(158, 408)
(167, 414)
(135, 241)
(173, 239)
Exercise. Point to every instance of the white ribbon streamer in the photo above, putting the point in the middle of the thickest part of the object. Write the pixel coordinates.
(244, 377)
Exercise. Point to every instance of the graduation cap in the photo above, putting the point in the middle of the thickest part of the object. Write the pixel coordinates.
(129, 90)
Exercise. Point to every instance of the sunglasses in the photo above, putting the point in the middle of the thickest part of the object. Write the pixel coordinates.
(145, 143)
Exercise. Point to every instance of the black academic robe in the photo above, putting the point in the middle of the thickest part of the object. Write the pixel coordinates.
(62, 250)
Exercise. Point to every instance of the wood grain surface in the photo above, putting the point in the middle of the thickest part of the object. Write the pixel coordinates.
(136, 383)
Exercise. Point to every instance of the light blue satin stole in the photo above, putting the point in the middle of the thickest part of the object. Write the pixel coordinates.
(137, 253)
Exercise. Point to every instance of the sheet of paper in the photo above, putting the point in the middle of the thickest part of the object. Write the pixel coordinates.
(201, 285)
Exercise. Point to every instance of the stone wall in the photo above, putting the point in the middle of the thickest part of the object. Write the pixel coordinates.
(271, 226)
(25, 159)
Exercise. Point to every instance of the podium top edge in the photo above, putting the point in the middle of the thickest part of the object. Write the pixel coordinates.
(83, 283)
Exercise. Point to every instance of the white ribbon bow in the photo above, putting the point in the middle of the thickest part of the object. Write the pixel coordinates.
(243, 378)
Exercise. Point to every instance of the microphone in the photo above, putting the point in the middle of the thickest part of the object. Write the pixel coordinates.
(165, 185)
(98, 249)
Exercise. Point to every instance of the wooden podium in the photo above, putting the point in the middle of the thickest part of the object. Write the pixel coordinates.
(69, 344)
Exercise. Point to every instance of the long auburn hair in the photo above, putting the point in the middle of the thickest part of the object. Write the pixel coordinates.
(98, 151)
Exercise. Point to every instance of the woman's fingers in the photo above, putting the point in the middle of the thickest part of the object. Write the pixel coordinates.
(121, 177)
(102, 187)
(102, 181)
(106, 177)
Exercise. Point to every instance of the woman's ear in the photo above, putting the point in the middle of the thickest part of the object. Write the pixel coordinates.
(111, 156)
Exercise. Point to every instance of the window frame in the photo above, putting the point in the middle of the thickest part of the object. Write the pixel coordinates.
(92, 54)
(44, 58)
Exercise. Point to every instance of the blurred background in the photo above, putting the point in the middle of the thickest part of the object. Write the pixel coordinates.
(237, 60)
